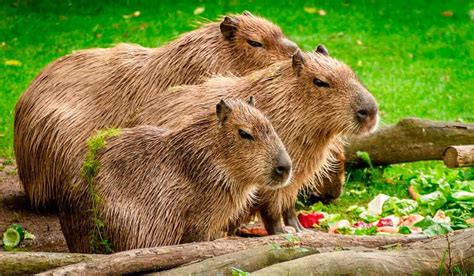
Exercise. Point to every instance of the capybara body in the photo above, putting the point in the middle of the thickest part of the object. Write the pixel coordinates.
(163, 187)
(98, 88)
(311, 101)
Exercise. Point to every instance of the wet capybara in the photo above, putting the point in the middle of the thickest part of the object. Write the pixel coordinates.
(98, 88)
(311, 101)
(163, 187)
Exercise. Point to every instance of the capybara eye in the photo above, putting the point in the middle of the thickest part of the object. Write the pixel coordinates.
(245, 135)
(254, 43)
(320, 83)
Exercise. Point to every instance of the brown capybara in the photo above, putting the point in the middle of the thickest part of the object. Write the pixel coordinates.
(311, 100)
(159, 187)
(98, 88)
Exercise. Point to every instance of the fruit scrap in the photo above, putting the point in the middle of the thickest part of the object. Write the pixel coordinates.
(308, 220)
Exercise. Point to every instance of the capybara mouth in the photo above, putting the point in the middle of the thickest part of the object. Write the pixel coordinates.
(278, 182)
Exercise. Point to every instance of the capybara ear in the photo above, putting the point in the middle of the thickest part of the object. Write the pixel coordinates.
(223, 111)
(247, 13)
(298, 62)
(251, 101)
(228, 27)
(321, 50)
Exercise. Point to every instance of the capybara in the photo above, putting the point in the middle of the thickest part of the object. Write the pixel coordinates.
(98, 88)
(159, 187)
(311, 100)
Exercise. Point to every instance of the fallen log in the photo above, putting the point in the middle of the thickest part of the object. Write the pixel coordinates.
(440, 255)
(459, 156)
(409, 140)
(35, 262)
(246, 260)
(167, 257)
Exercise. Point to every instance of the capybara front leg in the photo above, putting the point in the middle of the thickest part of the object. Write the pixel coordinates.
(289, 216)
(271, 221)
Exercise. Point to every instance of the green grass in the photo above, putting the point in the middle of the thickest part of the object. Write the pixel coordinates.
(414, 60)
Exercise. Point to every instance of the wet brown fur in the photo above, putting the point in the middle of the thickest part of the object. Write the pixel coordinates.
(98, 88)
(309, 120)
(160, 187)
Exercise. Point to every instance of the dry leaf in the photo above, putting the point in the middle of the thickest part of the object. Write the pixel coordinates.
(322, 12)
(310, 10)
(199, 10)
(13, 62)
(447, 13)
(134, 14)
(359, 42)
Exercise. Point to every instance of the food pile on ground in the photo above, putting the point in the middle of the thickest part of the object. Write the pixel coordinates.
(438, 206)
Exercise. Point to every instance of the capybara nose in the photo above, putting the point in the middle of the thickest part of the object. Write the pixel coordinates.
(366, 109)
(283, 166)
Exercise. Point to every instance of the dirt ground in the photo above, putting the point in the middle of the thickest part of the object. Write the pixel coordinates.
(15, 208)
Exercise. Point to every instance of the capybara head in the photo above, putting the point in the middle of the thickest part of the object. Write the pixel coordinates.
(339, 101)
(251, 148)
(256, 39)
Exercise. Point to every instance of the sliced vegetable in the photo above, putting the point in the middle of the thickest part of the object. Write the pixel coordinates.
(13, 236)
(404, 230)
(431, 202)
(400, 207)
(375, 206)
(368, 216)
(387, 229)
(366, 231)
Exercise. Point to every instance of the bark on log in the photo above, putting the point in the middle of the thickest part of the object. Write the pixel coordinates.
(35, 262)
(459, 156)
(439, 255)
(162, 258)
(409, 140)
(247, 260)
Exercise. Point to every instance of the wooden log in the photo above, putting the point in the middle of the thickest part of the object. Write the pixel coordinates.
(167, 257)
(459, 156)
(409, 140)
(440, 255)
(247, 260)
(35, 262)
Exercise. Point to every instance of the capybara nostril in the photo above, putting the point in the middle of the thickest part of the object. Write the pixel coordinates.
(367, 112)
(362, 114)
(282, 170)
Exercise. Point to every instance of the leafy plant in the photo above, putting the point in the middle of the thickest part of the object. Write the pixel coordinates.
(98, 240)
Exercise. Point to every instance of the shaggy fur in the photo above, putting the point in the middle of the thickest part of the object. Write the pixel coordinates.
(97, 88)
(160, 187)
(309, 119)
